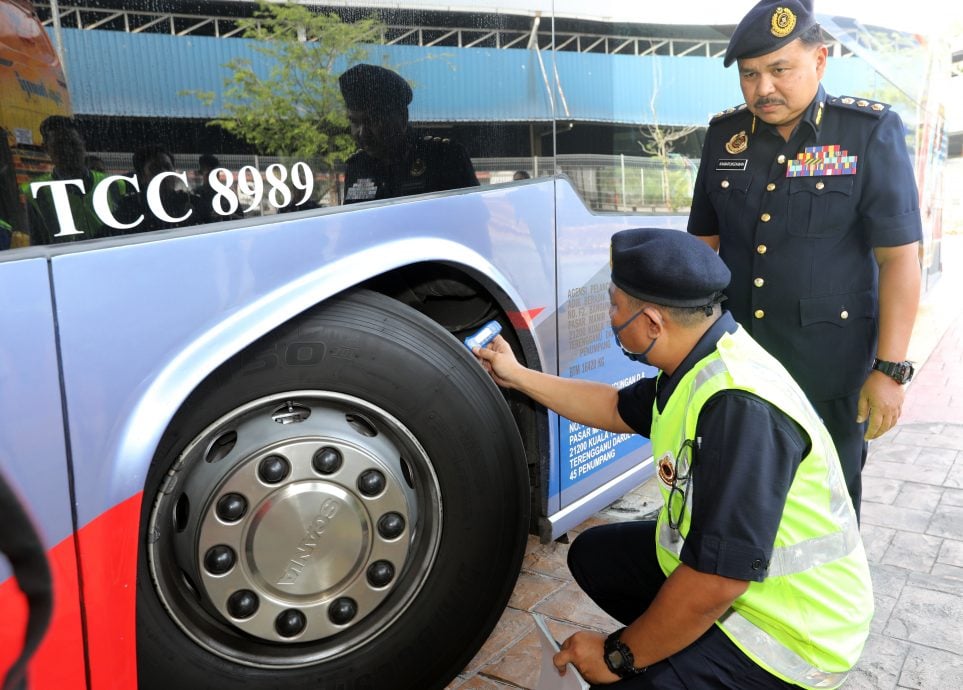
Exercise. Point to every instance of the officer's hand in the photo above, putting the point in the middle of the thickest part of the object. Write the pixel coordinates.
(499, 361)
(585, 650)
(880, 401)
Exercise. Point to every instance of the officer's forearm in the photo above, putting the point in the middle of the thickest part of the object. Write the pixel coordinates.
(687, 605)
(899, 297)
(587, 402)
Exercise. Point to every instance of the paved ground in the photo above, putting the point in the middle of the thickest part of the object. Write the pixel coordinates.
(912, 527)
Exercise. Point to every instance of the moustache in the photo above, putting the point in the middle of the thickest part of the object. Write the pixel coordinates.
(769, 101)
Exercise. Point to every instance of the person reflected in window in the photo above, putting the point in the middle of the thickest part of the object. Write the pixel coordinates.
(521, 175)
(204, 193)
(95, 163)
(392, 160)
(176, 201)
(64, 144)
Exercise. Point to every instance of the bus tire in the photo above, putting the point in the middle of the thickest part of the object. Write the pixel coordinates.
(344, 504)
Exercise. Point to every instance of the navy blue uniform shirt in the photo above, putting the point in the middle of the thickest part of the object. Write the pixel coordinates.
(430, 164)
(741, 475)
(800, 248)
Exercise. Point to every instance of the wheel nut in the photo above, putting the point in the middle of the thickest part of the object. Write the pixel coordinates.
(380, 573)
(342, 611)
(219, 559)
(371, 483)
(289, 623)
(273, 469)
(231, 507)
(391, 525)
(242, 604)
(328, 460)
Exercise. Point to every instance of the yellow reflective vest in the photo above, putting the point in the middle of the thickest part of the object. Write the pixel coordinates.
(808, 620)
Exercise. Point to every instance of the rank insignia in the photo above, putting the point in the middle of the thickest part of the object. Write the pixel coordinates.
(820, 161)
(738, 143)
(783, 22)
(848, 100)
(418, 168)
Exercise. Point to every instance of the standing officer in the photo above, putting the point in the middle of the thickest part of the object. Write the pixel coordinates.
(811, 201)
(754, 575)
(392, 160)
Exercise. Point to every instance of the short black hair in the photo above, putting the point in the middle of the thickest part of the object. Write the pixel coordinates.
(813, 36)
(208, 160)
(57, 123)
(146, 153)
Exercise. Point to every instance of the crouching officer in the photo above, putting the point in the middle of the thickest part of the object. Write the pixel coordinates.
(753, 575)
(392, 161)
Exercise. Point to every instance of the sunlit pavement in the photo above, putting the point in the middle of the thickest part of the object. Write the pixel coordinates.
(912, 528)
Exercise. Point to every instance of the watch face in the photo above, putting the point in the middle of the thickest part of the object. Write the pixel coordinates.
(616, 659)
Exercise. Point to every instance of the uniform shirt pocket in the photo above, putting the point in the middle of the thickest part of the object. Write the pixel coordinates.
(820, 206)
(727, 190)
(840, 310)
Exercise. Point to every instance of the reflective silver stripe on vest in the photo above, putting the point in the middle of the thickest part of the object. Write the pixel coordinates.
(777, 657)
(810, 553)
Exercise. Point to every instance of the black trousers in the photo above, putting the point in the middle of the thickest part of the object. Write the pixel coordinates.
(616, 566)
(839, 416)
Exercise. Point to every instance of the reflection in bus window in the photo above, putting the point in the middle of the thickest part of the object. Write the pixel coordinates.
(392, 161)
(60, 204)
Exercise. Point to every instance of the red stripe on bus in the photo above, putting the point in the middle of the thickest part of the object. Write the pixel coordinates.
(524, 319)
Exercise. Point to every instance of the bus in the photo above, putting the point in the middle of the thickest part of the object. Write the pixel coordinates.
(249, 444)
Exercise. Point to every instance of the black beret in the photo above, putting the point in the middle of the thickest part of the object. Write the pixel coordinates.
(769, 26)
(669, 267)
(370, 87)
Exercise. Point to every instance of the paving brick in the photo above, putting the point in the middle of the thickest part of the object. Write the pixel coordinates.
(876, 540)
(947, 522)
(905, 471)
(915, 552)
(927, 617)
(883, 515)
(951, 553)
(918, 496)
(880, 489)
(880, 664)
(931, 668)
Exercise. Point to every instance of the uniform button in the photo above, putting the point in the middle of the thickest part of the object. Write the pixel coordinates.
(820, 184)
(759, 282)
(759, 313)
(844, 314)
(757, 564)
(781, 159)
(765, 217)
(771, 186)
(724, 184)
(761, 249)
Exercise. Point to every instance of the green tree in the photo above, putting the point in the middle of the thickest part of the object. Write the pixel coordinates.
(295, 110)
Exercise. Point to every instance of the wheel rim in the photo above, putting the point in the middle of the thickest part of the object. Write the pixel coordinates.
(294, 529)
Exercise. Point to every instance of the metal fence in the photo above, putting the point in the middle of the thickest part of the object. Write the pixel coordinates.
(624, 184)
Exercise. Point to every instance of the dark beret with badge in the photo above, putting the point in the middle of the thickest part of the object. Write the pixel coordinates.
(769, 26)
(370, 87)
(667, 267)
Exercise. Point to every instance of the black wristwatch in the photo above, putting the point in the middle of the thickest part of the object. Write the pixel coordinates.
(901, 372)
(618, 656)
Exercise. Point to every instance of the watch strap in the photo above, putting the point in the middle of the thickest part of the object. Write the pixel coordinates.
(901, 372)
(618, 657)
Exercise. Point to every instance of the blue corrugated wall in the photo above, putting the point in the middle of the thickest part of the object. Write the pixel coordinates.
(145, 75)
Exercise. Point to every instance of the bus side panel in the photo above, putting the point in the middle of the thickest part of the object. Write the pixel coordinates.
(588, 458)
(33, 458)
(142, 324)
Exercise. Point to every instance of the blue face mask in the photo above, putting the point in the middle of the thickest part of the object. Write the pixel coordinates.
(642, 357)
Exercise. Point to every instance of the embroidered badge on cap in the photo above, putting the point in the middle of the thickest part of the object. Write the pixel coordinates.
(418, 168)
(783, 22)
(738, 143)
(818, 161)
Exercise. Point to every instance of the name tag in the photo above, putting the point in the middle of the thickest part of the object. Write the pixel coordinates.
(362, 190)
(732, 164)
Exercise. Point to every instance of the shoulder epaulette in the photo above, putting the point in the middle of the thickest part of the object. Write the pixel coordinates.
(728, 112)
(860, 105)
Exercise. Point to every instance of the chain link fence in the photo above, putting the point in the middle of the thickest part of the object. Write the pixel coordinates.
(613, 183)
